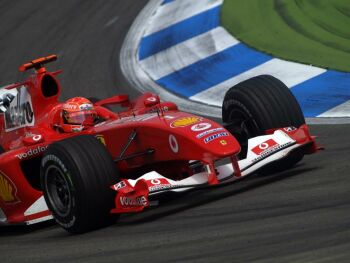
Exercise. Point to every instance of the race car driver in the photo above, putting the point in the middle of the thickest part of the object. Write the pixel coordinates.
(78, 114)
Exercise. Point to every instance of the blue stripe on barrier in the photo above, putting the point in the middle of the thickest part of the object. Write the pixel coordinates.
(167, 1)
(179, 32)
(213, 70)
(322, 93)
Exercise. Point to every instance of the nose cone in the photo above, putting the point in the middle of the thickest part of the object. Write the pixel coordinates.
(212, 138)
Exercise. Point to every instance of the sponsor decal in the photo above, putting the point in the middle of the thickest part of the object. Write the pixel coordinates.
(186, 121)
(158, 184)
(152, 99)
(174, 146)
(70, 106)
(201, 135)
(215, 136)
(155, 181)
(270, 150)
(119, 185)
(30, 138)
(223, 142)
(101, 138)
(259, 149)
(8, 190)
(86, 106)
(20, 112)
(200, 126)
(37, 137)
(6, 96)
(162, 187)
(133, 201)
(32, 152)
(289, 129)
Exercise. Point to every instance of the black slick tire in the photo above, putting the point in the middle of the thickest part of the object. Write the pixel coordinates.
(259, 104)
(76, 175)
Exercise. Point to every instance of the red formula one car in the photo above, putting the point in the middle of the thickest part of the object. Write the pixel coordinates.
(83, 164)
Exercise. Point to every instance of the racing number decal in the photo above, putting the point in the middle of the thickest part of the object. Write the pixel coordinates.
(20, 112)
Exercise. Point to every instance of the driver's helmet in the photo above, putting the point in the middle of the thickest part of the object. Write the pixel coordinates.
(77, 114)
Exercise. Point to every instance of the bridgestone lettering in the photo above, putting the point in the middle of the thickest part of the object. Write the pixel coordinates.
(53, 158)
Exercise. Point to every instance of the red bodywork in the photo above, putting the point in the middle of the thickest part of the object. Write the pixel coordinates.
(32, 122)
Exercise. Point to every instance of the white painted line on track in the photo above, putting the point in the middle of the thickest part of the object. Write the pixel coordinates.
(188, 52)
(175, 12)
(289, 73)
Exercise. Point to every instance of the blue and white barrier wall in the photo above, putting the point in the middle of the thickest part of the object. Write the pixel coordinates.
(184, 49)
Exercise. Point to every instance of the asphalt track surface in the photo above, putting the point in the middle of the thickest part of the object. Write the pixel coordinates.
(300, 215)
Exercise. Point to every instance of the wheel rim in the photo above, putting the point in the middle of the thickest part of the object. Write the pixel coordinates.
(58, 191)
(243, 126)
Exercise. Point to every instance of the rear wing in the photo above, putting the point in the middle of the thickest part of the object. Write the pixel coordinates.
(32, 97)
(37, 64)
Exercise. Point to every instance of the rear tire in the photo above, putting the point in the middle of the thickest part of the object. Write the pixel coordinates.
(259, 104)
(76, 175)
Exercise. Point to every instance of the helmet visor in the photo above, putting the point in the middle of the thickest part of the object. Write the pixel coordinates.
(80, 118)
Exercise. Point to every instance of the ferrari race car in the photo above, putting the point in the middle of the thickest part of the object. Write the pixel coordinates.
(129, 158)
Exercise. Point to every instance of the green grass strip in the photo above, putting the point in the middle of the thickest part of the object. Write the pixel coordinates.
(315, 32)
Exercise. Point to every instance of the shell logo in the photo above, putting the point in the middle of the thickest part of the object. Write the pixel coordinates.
(186, 121)
(7, 190)
(101, 138)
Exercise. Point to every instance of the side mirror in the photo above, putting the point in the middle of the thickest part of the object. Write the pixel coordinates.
(6, 99)
(151, 101)
(123, 100)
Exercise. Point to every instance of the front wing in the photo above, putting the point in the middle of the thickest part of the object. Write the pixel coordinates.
(135, 195)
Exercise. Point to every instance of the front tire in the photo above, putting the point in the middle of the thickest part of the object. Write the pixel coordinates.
(76, 175)
(256, 105)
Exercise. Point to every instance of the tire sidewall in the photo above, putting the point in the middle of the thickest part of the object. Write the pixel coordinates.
(53, 161)
(270, 104)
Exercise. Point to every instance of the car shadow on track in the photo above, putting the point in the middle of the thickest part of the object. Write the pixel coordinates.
(181, 202)
(174, 204)
(17, 230)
